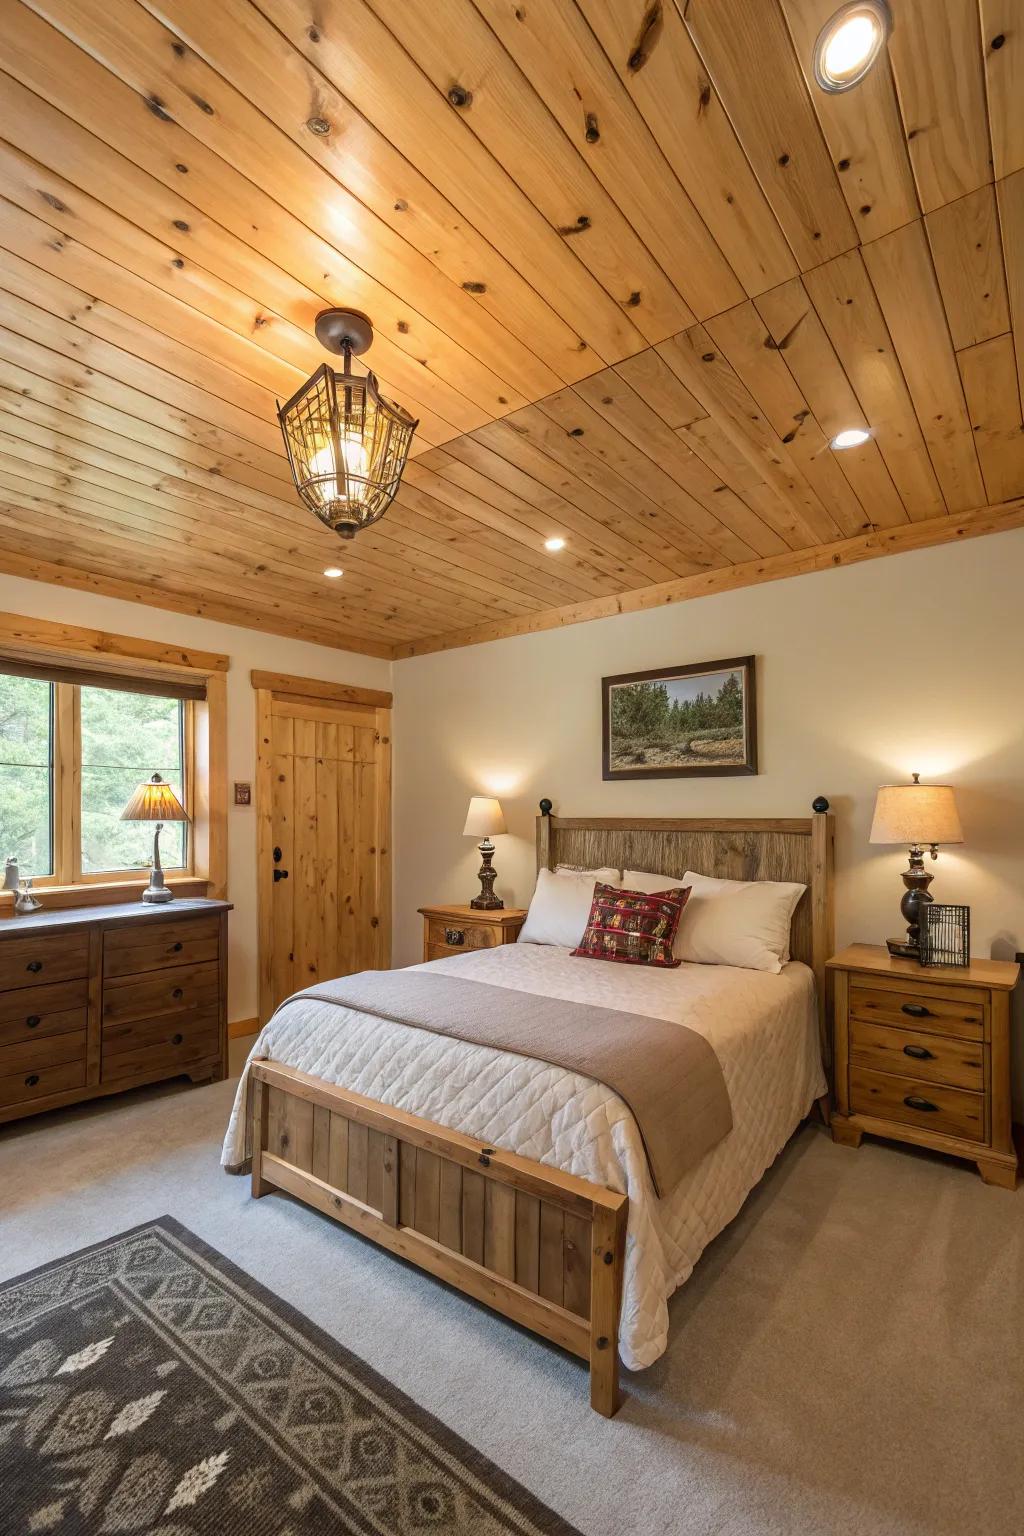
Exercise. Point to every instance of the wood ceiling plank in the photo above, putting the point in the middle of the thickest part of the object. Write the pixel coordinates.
(937, 64)
(800, 516)
(989, 373)
(863, 130)
(1002, 38)
(749, 348)
(353, 49)
(537, 447)
(667, 81)
(774, 120)
(563, 62)
(246, 49)
(55, 569)
(711, 512)
(552, 514)
(902, 275)
(652, 378)
(600, 437)
(1010, 195)
(64, 76)
(964, 239)
(848, 309)
(800, 339)
(513, 124)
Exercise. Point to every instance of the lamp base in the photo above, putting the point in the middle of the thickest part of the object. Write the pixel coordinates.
(156, 891)
(903, 948)
(487, 901)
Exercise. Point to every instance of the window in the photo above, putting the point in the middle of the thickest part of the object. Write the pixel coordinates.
(71, 756)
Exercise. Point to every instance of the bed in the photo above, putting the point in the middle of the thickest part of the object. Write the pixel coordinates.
(526, 1185)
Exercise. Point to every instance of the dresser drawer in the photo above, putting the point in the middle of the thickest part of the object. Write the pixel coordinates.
(929, 1106)
(149, 947)
(51, 1051)
(453, 937)
(48, 1010)
(39, 958)
(166, 1045)
(927, 1009)
(933, 1058)
(178, 989)
(37, 1082)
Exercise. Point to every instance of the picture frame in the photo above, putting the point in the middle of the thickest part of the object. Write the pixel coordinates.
(705, 727)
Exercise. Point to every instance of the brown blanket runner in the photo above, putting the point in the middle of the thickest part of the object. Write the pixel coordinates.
(667, 1074)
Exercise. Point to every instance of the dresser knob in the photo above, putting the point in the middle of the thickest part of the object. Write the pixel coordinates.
(177, 992)
(176, 948)
(919, 1052)
(32, 1079)
(33, 1021)
(34, 965)
(177, 1039)
(916, 1010)
(915, 1101)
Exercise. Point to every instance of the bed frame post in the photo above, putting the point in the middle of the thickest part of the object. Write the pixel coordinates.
(258, 1097)
(822, 916)
(608, 1246)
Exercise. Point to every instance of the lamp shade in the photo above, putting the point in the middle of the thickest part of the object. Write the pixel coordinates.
(916, 813)
(154, 801)
(484, 818)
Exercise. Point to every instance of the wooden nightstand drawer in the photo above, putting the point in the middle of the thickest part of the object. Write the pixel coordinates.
(933, 1058)
(454, 936)
(931, 1106)
(458, 930)
(958, 1011)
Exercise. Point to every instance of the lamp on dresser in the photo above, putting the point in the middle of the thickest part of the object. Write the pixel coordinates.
(155, 801)
(918, 815)
(485, 819)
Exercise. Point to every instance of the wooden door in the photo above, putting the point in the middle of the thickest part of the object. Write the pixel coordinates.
(323, 805)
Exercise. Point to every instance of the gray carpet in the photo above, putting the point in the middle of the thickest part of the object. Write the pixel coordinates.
(848, 1356)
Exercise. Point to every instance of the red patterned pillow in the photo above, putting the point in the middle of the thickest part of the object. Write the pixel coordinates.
(632, 926)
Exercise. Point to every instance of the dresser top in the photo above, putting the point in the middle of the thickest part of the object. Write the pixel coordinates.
(876, 959)
(506, 916)
(63, 919)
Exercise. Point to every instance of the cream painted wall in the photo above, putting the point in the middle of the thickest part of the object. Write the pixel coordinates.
(865, 674)
(247, 648)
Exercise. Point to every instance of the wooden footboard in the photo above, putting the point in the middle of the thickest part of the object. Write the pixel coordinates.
(540, 1246)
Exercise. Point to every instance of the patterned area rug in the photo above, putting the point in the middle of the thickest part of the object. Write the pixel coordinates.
(149, 1386)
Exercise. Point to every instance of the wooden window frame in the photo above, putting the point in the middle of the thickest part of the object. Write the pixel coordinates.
(40, 642)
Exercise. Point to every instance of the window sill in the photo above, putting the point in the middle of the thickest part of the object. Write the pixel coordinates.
(103, 893)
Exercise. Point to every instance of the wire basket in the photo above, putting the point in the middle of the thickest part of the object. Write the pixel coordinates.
(945, 934)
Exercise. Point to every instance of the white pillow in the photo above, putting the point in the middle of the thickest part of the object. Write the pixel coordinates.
(561, 905)
(606, 875)
(732, 922)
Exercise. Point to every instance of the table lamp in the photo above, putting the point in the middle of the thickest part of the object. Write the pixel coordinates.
(485, 820)
(916, 814)
(155, 801)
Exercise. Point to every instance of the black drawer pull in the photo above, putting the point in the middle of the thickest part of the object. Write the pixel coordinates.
(915, 1101)
(177, 992)
(32, 1079)
(454, 936)
(33, 1021)
(919, 1052)
(34, 966)
(916, 1010)
(176, 948)
(177, 1039)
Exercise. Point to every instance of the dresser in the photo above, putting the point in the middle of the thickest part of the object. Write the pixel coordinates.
(452, 930)
(922, 1054)
(94, 1000)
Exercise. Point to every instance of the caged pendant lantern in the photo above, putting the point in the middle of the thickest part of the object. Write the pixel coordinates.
(347, 446)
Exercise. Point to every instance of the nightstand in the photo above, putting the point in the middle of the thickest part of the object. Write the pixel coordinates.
(922, 1054)
(452, 930)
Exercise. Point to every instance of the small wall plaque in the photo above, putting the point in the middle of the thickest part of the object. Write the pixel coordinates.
(243, 794)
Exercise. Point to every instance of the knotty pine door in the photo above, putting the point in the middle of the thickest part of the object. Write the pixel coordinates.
(323, 803)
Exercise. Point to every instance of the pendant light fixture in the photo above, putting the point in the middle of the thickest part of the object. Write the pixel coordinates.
(347, 446)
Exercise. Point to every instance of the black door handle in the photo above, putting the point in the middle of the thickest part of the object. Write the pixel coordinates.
(34, 965)
(919, 1052)
(280, 874)
(915, 1101)
(916, 1010)
(277, 855)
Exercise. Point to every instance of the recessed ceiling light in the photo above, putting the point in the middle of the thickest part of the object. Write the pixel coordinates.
(850, 42)
(851, 438)
(333, 571)
(554, 544)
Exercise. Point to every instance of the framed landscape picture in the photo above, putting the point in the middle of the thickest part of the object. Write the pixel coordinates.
(681, 722)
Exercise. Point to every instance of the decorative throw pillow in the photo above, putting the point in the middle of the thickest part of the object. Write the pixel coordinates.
(634, 927)
(560, 906)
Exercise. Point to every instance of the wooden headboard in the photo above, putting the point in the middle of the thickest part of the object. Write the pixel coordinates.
(793, 848)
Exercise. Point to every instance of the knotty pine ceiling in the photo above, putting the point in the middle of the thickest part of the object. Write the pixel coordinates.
(630, 267)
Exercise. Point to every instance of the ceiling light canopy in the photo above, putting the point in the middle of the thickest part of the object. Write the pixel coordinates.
(347, 446)
(852, 437)
(850, 42)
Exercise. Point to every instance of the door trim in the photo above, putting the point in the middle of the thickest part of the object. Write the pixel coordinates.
(268, 686)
